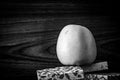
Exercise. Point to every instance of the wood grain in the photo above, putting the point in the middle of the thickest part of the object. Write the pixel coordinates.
(28, 36)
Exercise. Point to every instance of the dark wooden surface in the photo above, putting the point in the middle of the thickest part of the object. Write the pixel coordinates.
(29, 31)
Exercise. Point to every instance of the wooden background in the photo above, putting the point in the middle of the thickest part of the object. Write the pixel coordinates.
(29, 31)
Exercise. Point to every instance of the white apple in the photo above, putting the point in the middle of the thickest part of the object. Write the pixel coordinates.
(76, 46)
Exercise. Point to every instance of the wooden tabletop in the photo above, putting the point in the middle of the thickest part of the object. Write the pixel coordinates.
(29, 31)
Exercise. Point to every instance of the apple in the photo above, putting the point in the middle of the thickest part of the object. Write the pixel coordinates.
(76, 45)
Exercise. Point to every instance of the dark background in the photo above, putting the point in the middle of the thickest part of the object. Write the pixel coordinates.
(29, 31)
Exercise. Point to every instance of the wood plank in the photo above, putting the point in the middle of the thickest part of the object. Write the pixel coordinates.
(30, 45)
(28, 40)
